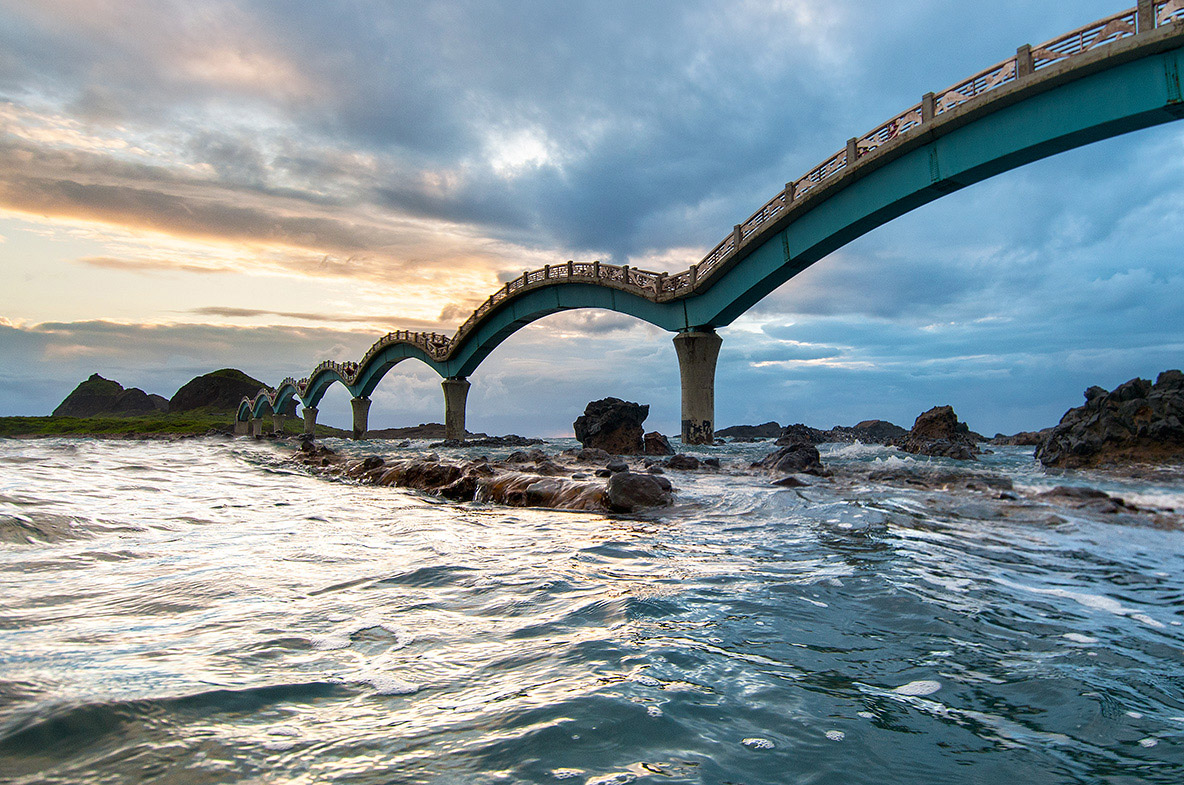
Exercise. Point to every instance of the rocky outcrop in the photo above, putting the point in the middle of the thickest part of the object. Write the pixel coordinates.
(102, 397)
(938, 433)
(220, 391)
(769, 430)
(612, 425)
(654, 443)
(1137, 422)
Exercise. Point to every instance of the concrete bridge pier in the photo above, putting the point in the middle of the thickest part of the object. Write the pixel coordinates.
(361, 415)
(257, 427)
(456, 393)
(697, 351)
(310, 420)
(277, 424)
(241, 427)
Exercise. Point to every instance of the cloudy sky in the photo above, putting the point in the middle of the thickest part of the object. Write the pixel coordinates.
(193, 185)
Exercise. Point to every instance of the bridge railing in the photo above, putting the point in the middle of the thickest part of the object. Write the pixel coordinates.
(1167, 11)
(1149, 14)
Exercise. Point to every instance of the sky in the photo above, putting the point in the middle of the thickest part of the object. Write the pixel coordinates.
(186, 186)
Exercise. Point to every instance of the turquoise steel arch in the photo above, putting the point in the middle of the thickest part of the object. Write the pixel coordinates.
(1118, 75)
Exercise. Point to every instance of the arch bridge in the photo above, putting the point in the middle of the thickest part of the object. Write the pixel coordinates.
(1111, 77)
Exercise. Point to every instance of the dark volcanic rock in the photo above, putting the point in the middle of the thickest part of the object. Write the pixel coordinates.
(938, 433)
(98, 396)
(1137, 422)
(220, 391)
(769, 430)
(627, 492)
(655, 443)
(612, 425)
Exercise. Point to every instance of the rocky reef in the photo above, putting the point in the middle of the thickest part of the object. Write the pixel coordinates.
(1136, 422)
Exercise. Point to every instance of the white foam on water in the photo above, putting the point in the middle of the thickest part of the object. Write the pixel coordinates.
(283, 730)
(1148, 742)
(566, 774)
(385, 684)
(1077, 637)
(857, 450)
(653, 711)
(756, 743)
(922, 687)
(814, 602)
(835, 735)
(1135, 715)
(1150, 622)
(1098, 602)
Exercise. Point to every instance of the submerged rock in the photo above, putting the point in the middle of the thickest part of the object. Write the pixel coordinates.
(1137, 422)
(938, 433)
(612, 425)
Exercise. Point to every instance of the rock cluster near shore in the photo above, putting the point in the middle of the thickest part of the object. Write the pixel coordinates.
(1136, 422)
(524, 479)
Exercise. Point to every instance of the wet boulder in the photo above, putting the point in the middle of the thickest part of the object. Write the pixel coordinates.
(612, 425)
(797, 458)
(628, 492)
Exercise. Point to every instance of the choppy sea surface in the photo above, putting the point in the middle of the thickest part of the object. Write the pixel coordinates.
(203, 611)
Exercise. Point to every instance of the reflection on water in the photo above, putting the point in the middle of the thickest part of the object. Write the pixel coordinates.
(201, 611)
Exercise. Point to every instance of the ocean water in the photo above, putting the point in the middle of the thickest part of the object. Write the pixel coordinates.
(203, 611)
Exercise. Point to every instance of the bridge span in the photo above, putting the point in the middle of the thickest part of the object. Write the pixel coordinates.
(1114, 76)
